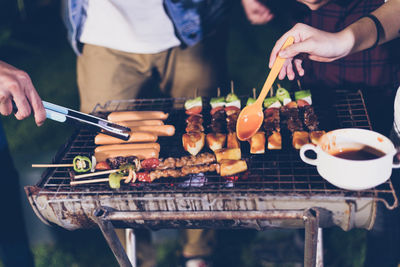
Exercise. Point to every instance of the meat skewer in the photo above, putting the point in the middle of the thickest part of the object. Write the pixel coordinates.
(310, 119)
(257, 141)
(216, 138)
(232, 110)
(193, 139)
(271, 124)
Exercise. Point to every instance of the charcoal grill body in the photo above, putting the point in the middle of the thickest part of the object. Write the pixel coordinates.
(279, 190)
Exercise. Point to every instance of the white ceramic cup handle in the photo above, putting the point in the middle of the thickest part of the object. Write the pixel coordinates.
(306, 159)
(396, 165)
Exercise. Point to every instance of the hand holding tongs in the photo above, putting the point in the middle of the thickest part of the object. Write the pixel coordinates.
(62, 114)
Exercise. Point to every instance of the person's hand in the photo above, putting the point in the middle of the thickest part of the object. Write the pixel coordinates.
(319, 45)
(256, 12)
(16, 85)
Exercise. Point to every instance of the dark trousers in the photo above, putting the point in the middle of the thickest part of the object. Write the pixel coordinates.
(14, 247)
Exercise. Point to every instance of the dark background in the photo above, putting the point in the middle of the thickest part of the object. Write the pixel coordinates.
(33, 38)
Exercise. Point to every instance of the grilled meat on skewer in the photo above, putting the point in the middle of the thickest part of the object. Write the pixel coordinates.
(203, 158)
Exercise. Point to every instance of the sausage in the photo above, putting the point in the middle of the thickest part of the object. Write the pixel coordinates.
(155, 146)
(144, 153)
(137, 115)
(139, 123)
(136, 137)
(161, 130)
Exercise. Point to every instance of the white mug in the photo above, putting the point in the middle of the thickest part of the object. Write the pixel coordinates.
(348, 173)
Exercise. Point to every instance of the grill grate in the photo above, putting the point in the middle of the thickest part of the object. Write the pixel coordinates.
(275, 172)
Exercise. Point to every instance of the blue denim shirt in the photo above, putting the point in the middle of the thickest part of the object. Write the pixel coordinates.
(193, 19)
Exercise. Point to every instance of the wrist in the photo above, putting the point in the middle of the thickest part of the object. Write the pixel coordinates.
(346, 41)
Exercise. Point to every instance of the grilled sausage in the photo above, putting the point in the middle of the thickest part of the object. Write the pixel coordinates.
(139, 123)
(144, 153)
(137, 115)
(120, 147)
(161, 130)
(136, 137)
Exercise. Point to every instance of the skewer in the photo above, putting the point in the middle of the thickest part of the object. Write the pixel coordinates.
(271, 91)
(92, 181)
(232, 88)
(52, 165)
(254, 93)
(279, 85)
(196, 92)
(299, 84)
(218, 92)
(95, 174)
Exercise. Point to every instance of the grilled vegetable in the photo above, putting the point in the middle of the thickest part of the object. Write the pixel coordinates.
(217, 102)
(114, 180)
(228, 153)
(195, 102)
(82, 164)
(232, 100)
(250, 101)
(232, 167)
(102, 165)
(272, 102)
(283, 95)
(304, 95)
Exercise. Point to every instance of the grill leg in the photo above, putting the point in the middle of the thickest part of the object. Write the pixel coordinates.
(320, 249)
(131, 245)
(111, 237)
(311, 237)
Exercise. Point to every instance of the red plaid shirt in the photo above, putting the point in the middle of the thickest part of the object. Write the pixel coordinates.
(372, 68)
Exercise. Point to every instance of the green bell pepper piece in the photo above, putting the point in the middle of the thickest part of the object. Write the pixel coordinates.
(302, 94)
(114, 180)
(195, 102)
(82, 164)
(282, 94)
(231, 97)
(269, 101)
(250, 101)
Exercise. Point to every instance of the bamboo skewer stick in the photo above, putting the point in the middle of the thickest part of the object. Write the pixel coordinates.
(299, 84)
(52, 165)
(218, 92)
(92, 181)
(95, 174)
(271, 91)
(232, 87)
(254, 93)
(196, 92)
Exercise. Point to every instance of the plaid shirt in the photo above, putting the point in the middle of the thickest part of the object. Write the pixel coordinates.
(372, 68)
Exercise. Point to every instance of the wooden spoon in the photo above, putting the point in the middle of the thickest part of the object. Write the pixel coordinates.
(252, 116)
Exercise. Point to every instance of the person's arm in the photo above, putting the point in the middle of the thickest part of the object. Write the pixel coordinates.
(16, 85)
(325, 47)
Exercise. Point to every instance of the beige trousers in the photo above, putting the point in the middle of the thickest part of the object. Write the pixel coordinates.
(106, 74)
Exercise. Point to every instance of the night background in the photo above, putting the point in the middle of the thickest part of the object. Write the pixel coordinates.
(33, 38)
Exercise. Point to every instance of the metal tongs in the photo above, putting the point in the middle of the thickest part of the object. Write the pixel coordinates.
(62, 114)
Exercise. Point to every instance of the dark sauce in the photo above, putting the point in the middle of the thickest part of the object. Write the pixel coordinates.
(365, 153)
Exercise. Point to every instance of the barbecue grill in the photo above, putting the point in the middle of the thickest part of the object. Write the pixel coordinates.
(279, 190)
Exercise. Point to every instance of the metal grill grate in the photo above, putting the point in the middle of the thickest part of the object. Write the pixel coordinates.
(275, 172)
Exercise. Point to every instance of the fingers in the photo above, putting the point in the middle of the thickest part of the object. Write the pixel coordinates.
(275, 50)
(35, 102)
(298, 64)
(5, 105)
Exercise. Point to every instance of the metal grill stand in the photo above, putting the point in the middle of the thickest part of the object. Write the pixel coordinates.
(310, 218)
